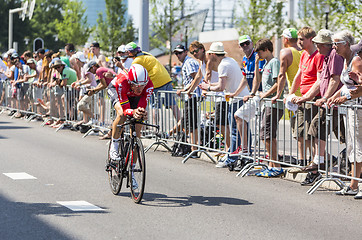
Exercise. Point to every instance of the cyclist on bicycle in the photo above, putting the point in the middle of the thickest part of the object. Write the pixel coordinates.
(129, 93)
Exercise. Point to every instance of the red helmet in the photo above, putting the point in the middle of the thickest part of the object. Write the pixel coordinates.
(138, 75)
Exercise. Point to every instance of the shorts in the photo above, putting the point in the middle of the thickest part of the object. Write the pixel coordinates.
(221, 113)
(189, 120)
(300, 123)
(269, 122)
(166, 99)
(319, 122)
(23, 90)
(354, 135)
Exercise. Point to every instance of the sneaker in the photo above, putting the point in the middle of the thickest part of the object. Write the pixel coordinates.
(134, 184)
(270, 173)
(223, 164)
(240, 150)
(359, 195)
(311, 179)
(114, 155)
(347, 191)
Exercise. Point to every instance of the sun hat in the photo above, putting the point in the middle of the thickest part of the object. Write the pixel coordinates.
(58, 62)
(217, 47)
(290, 33)
(324, 36)
(244, 38)
(357, 47)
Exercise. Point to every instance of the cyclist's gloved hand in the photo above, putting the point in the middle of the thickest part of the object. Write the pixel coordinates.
(139, 113)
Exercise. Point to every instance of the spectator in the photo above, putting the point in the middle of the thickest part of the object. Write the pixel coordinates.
(189, 120)
(342, 42)
(229, 80)
(208, 71)
(99, 58)
(327, 84)
(272, 113)
(41, 54)
(123, 62)
(310, 66)
(159, 77)
(2, 81)
(253, 80)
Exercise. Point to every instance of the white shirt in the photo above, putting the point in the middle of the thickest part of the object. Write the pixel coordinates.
(3, 69)
(230, 69)
(214, 79)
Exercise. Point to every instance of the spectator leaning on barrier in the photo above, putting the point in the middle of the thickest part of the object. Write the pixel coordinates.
(310, 67)
(253, 80)
(159, 76)
(229, 80)
(2, 81)
(41, 54)
(342, 42)
(189, 121)
(272, 113)
(208, 72)
(328, 83)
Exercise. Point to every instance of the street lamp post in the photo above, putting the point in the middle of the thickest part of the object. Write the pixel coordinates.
(326, 11)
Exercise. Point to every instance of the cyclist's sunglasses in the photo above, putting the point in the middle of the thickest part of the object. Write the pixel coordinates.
(244, 44)
(195, 51)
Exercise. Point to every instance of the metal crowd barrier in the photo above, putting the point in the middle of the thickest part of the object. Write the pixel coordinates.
(207, 125)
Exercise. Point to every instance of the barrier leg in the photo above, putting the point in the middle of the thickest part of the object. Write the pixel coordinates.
(200, 151)
(158, 142)
(321, 181)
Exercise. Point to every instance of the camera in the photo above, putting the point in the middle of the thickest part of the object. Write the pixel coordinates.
(117, 58)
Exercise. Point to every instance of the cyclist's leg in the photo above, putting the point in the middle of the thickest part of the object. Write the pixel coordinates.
(116, 132)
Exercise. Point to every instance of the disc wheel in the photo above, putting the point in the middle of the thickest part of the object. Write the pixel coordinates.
(137, 171)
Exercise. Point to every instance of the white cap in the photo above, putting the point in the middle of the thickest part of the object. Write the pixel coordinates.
(80, 56)
(121, 48)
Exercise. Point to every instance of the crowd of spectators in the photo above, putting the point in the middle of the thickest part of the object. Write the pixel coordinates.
(324, 68)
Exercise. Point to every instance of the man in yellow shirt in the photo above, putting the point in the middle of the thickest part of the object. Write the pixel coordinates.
(159, 76)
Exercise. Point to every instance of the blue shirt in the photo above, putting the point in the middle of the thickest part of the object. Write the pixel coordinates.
(249, 68)
(189, 66)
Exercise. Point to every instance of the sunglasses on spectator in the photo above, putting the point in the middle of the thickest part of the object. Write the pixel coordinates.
(195, 51)
(244, 44)
(336, 43)
(57, 67)
(177, 53)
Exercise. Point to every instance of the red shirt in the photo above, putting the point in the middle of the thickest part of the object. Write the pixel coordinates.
(102, 70)
(309, 65)
(124, 91)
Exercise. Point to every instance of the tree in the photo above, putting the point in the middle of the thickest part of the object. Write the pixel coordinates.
(256, 20)
(46, 14)
(311, 13)
(114, 30)
(73, 28)
(20, 28)
(164, 23)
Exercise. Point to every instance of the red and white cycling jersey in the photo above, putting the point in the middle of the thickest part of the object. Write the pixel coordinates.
(124, 91)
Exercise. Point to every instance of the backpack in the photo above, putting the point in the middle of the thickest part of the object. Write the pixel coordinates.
(180, 149)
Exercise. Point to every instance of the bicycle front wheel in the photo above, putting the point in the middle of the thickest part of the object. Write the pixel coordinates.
(115, 177)
(137, 171)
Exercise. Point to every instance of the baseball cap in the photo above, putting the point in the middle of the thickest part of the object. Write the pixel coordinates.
(31, 60)
(95, 44)
(290, 33)
(80, 56)
(131, 46)
(244, 38)
(40, 50)
(122, 48)
(179, 48)
(90, 65)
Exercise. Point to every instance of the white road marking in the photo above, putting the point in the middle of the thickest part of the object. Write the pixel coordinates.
(19, 176)
(79, 206)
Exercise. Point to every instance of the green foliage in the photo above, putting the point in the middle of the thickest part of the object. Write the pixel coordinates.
(260, 18)
(73, 28)
(113, 29)
(312, 14)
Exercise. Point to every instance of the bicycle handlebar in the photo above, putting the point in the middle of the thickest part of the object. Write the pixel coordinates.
(133, 121)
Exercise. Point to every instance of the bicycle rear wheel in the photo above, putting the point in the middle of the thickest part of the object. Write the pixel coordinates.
(115, 177)
(137, 171)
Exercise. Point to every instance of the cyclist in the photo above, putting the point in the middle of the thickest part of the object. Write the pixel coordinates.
(129, 93)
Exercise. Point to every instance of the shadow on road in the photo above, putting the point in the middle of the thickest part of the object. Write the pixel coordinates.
(12, 127)
(162, 200)
(19, 220)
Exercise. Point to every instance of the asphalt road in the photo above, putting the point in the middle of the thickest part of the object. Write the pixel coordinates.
(182, 201)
